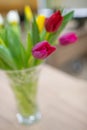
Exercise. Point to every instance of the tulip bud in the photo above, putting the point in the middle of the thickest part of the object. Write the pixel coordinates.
(68, 38)
(53, 22)
(13, 17)
(42, 50)
(28, 13)
(40, 22)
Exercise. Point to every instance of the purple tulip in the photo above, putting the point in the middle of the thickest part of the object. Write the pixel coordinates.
(68, 38)
(42, 50)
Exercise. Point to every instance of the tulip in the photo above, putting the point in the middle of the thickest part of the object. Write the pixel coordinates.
(13, 17)
(68, 38)
(42, 50)
(14, 20)
(28, 13)
(40, 22)
(53, 22)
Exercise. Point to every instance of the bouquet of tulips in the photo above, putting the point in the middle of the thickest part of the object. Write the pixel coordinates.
(43, 34)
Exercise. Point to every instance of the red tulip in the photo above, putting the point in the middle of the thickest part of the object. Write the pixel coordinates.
(68, 38)
(53, 22)
(42, 50)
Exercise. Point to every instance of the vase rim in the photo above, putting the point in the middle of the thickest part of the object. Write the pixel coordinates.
(22, 70)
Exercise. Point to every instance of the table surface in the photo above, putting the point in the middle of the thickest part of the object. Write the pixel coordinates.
(62, 100)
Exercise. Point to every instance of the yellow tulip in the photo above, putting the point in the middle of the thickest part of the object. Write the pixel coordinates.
(40, 22)
(28, 13)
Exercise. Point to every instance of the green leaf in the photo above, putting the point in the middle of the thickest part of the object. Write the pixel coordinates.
(37, 62)
(31, 61)
(29, 45)
(67, 18)
(2, 42)
(3, 34)
(43, 35)
(16, 29)
(6, 57)
(16, 48)
(24, 56)
(4, 66)
(35, 32)
(27, 24)
(53, 36)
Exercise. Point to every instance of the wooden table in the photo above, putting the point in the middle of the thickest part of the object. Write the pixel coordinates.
(62, 100)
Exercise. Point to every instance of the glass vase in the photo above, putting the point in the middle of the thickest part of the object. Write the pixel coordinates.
(24, 84)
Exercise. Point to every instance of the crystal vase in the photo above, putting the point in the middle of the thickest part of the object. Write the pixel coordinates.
(24, 84)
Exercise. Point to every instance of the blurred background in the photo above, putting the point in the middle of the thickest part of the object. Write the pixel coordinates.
(71, 59)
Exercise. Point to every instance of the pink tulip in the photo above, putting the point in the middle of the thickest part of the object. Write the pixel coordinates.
(42, 50)
(53, 22)
(68, 38)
